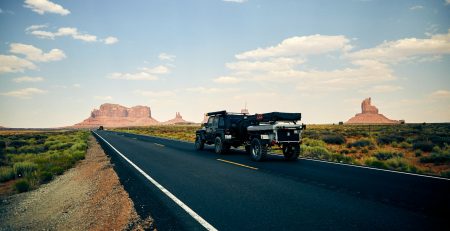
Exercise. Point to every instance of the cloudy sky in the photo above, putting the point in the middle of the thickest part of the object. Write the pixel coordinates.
(59, 59)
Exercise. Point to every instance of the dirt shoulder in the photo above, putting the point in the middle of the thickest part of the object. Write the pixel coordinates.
(86, 197)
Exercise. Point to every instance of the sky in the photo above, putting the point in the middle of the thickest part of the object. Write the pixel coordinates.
(60, 59)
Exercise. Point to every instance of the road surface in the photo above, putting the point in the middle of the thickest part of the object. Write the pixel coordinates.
(184, 189)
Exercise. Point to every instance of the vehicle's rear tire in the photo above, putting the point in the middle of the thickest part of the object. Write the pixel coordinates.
(258, 150)
(199, 143)
(220, 147)
(291, 152)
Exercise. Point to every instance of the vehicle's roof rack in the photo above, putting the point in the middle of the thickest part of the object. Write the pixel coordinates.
(224, 113)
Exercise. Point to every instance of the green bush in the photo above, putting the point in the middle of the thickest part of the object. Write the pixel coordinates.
(6, 173)
(313, 142)
(24, 168)
(57, 170)
(397, 164)
(22, 185)
(418, 153)
(385, 155)
(436, 158)
(387, 139)
(373, 162)
(333, 139)
(360, 143)
(315, 152)
(45, 177)
(425, 146)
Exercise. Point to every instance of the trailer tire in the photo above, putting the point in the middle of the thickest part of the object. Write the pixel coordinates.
(258, 150)
(199, 143)
(219, 146)
(291, 152)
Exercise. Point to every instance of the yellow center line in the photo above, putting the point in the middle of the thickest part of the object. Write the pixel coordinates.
(242, 165)
(161, 145)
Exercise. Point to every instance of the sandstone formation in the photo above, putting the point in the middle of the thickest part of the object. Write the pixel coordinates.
(177, 120)
(115, 115)
(369, 115)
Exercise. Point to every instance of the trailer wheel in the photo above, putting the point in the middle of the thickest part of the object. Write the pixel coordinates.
(258, 150)
(291, 152)
(199, 143)
(220, 147)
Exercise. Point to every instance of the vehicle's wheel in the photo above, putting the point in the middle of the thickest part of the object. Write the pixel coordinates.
(219, 146)
(291, 152)
(199, 143)
(258, 150)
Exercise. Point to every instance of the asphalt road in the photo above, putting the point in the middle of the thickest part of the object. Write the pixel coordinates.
(191, 190)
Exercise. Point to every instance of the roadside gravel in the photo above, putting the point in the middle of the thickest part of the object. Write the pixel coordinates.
(86, 197)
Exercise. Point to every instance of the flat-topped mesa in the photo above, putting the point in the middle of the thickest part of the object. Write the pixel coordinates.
(115, 115)
(369, 115)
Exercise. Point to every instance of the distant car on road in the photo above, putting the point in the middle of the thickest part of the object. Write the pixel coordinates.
(257, 133)
(100, 128)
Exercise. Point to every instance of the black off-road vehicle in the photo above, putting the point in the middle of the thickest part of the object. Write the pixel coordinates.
(257, 133)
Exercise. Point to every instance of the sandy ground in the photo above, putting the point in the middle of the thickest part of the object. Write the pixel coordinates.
(87, 197)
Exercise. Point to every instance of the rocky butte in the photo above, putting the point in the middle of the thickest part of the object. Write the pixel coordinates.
(115, 115)
(177, 120)
(369, 115)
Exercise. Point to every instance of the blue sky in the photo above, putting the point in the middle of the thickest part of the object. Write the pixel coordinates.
(60, 59)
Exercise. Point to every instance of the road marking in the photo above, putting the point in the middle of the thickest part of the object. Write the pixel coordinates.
(242, 165)
(377, 169)
(186, 208)
(161, 145)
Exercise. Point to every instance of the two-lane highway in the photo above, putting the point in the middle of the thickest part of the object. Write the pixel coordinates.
(203, 190)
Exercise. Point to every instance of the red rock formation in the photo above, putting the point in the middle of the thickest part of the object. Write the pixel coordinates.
(177, 120)
(115, 115)
(369, 115)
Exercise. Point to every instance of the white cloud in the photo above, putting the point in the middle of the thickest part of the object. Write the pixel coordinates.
(73, 32)
(447, 2)
(235, 1)
(104, 98)
(142, 75)
(25, 93)
(43, 6)
(300, 46)
(210, 90)
(166, 57)
(404, 49)
(440, 94)
(416, 7)
(156, 70)
(28, 79)
(382, 89)
(35, 27)
(12, 63)
(274, 64)
(227, 79)
(155, 94)
(35, 54)
(76, 85)
(111, 40)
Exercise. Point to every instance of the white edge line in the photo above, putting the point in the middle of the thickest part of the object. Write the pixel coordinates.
(377, 169)
(186, 208)
(324, 161)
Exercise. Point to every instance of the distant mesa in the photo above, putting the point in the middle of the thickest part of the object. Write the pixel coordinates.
(115, 115)
(369, 115)
(177, 120)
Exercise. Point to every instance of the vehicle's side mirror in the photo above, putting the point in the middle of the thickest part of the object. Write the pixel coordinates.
(303, 126)
(205, 125)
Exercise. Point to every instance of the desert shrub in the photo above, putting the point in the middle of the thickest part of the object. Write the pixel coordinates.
(22, 185)
(313, 142)
(397, 164)
(315, 152)
(45, 177)
(360, 143)
(440, 140)
(446, 174)
(10, 150)
(341, 158)
(345, 151)
(425, 146)
(387, 139)
(17, 143)
(385, 155)
(418, 153)
(373, 162)
(365, 151)
(81, 146)
(31, 149)
(333, 139)
(57, 170)
(405, 145)
(6, 173)
(24, 168)
(436, 158)
(60, 146)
